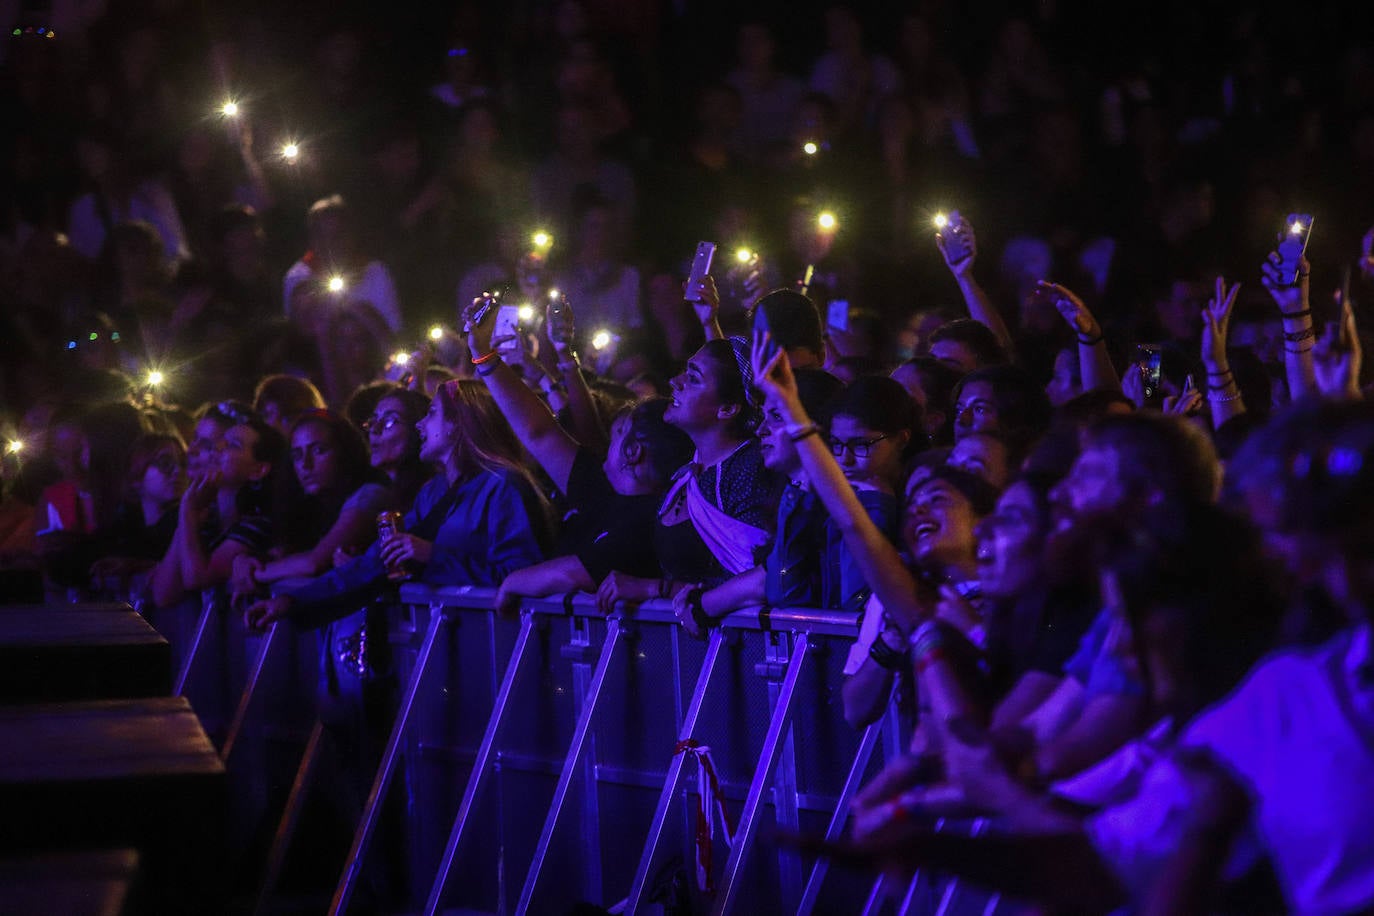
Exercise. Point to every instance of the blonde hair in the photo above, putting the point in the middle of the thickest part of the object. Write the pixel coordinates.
(485, 440)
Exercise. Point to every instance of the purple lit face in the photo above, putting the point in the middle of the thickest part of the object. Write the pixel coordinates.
(1011, 543)
(1093, 486)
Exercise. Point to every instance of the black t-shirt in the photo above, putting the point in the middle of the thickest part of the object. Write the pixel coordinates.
(606, 530)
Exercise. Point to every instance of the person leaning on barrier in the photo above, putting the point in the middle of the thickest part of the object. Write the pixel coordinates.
(717, 518)
(475, 523)
(939, 534)
(872, 426)
(614, 500)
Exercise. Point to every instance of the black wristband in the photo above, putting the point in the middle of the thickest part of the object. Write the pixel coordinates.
(1306, 333)
(1303, 314)
(1088, 340)
(485, 369)
(699, 616)
(886, 656)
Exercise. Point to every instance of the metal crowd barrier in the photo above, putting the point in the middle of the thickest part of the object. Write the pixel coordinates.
(535, 757)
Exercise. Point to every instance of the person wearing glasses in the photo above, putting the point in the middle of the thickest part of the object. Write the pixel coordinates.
(394, 442)
(872, 428)
(477, 521)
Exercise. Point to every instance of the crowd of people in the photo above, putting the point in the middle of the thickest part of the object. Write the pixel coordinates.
(1048, 366)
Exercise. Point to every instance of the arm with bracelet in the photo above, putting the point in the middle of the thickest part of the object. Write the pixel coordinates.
(1223, 393)
(1094, 362)
(876, 556)
(1299, 332)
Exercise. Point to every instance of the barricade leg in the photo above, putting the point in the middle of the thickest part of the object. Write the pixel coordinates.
(565, 778)
(290, 819)
(778, 727)
(665, 798)
(187, 664)
(837, 821)
(372, 811)
(481, 765)
(249, 693)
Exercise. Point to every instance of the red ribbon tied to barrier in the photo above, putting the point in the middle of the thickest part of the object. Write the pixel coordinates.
(710, 802)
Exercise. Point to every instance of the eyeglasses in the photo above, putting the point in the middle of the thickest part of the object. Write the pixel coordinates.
(380, 424)
(859, 448)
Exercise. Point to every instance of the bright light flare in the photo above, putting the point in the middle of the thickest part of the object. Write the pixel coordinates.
(14, 446)
(526, 313)
(744, 255)
(601, 340)
(941, 221)
(810, 148)
(827, 221)
(554, 295)
(230, 109)
(155, 378)
(436, 333)
(290, 152)
(542, 240)
(336, 284)
(400, 358)
(1296, 228)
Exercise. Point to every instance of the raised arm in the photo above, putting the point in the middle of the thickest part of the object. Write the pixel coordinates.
(1298, 329)
(878, 560)
(1094, 362)
(1223, 394)
(534, 424)
(959, 247)
(587, 422)
(1338, 357)
(706, 303)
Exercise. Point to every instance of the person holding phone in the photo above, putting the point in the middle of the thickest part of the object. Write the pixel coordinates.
(613, 497)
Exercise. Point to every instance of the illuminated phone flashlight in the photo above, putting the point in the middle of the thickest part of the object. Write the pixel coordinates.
(601, 340)
(811, 148)
(744, 255)
(1296, 228)
(400, 358)
(525, 313)
(230, 108)
(14, 446)
(941, 221)
(436, 333)
(542, 240)
(554, 295)
(336, 284)
(827, 221)
(155, 378)
(290, 152)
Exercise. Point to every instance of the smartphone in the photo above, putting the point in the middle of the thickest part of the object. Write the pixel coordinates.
(485, 303)
(507, 325)
(837, 314)
(1297, 229)
(701, 263)
(958, 244)
(1149, 358)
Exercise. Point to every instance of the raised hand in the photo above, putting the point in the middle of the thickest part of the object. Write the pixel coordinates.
(559, 323)
(958, 245)
(772, 372)
(478, 323)
(704, 298)
(1337, 357)
(1289, 298)
(1073, 310)
(1216, 325)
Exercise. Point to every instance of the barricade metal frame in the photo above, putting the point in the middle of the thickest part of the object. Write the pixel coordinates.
(793, 639)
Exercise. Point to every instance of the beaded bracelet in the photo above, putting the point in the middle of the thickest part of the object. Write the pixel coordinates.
(886, 656)
(1221, 397)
